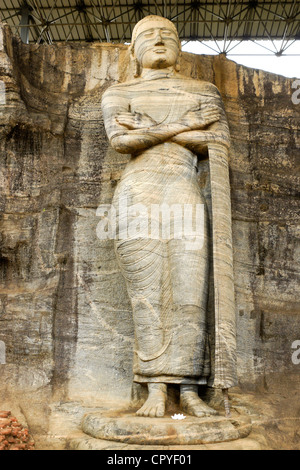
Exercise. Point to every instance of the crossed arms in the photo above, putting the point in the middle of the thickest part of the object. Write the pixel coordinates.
(134, 132)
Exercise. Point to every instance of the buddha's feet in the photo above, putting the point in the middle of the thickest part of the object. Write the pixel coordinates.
(191, 403)
(155, 405)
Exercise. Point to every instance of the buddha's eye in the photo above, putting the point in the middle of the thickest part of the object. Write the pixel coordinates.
(148, 34)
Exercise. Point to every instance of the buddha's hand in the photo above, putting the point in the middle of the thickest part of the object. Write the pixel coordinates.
(200, 118)
(135, 120)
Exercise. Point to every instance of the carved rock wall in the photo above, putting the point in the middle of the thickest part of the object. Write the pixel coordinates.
(65, 317)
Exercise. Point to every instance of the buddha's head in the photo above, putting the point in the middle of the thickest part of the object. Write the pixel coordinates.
(155, 43)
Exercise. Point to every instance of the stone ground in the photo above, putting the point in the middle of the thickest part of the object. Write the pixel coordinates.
(275, 419)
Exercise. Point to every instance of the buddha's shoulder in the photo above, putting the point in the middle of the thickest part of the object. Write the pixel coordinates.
(182, 82)
(198, 86)
(123, 86)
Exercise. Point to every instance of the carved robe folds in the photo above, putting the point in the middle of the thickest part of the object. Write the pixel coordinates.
(173, 277)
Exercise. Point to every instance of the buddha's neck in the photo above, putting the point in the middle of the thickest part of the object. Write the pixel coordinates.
(152, 74)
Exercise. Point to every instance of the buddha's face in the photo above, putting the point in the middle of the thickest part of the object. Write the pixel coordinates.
(156, 45)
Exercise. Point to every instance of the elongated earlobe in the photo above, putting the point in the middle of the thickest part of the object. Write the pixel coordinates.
(177, 65)
(137, 69)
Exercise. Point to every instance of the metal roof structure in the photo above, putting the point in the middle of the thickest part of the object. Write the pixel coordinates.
(49, 21)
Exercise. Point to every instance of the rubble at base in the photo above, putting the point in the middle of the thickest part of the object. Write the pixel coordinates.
(13, 436)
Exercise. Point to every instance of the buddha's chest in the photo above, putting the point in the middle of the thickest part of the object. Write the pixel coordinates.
(164, 104)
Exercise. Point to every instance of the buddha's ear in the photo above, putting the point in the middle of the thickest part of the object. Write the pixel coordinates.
(137, 68)
(177, 65)
(131, 51)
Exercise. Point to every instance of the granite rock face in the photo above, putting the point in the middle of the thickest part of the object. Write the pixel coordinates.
(65, 316)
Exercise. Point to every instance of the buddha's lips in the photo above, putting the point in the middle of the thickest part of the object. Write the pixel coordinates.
(160, 50)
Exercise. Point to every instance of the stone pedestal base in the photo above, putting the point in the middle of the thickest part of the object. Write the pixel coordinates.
(128, 428)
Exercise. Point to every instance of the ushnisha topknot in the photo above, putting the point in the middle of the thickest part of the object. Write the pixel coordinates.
(147, 21)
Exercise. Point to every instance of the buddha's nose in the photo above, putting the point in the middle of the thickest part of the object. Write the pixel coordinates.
(158, 39)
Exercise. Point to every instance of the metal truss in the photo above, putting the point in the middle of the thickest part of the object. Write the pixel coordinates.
(224, 22)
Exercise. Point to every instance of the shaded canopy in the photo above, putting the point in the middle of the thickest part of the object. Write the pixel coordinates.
(113, 20)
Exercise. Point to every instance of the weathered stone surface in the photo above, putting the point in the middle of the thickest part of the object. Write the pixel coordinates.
(64, 313)
(128, 428)
(274, 416)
